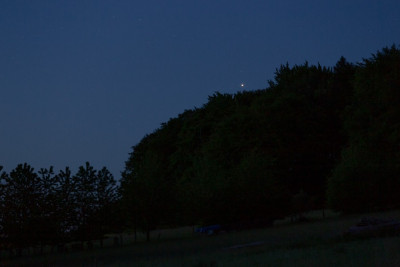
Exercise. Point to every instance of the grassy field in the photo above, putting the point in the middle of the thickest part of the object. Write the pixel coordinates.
(315, 243)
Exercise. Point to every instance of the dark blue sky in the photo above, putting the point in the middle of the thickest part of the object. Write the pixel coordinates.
(86, 80)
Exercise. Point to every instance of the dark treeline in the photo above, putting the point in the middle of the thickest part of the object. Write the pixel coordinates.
(43, 208)
(316, 137)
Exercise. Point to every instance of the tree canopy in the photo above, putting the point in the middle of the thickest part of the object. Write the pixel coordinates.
(314, 138)
(43, 208)
(324, 135)
(367, 177)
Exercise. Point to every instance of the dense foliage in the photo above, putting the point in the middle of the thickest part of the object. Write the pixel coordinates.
(367, 177)
(44, 208)
(249, 156)
(315, 135)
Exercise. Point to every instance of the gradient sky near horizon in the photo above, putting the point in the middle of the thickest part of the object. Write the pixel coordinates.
(85, 80)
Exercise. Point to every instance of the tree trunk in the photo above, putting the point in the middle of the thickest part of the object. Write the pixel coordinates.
(135, 232)
(134, 228)
(148, 234)
(121, 240)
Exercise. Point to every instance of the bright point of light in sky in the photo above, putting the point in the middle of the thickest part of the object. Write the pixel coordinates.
(91, 61)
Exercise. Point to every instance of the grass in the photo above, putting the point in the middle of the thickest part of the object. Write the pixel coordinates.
(315, 243)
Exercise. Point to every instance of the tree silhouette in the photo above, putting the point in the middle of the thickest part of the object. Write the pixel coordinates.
(38, 209)
(104, 214)
(66, 216)
(367, 176)
(242, 156)
(21, 205)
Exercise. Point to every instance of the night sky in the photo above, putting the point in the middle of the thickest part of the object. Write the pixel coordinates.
(86, 80)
